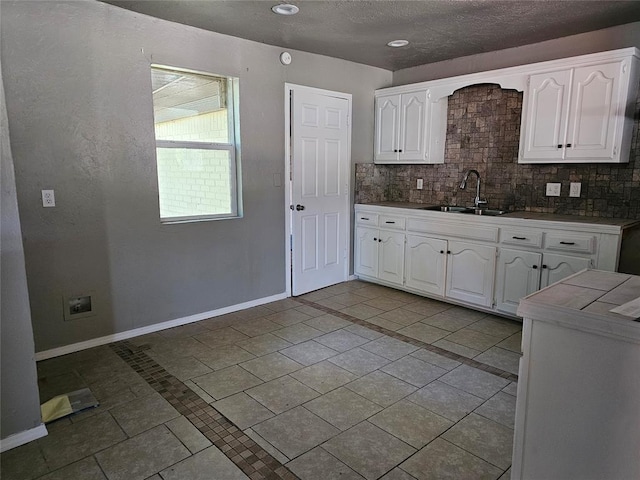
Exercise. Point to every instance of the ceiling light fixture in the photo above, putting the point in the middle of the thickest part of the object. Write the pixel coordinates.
(285, 9)
(398, 43)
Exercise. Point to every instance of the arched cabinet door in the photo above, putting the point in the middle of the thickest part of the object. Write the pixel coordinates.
(425, 264)
(597, 112)
(471, 273)
(387, 128)
(579, 115)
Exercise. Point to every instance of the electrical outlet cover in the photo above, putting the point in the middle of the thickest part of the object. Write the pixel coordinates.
(574, 189)
(420, 184)
(553, 189)
(48, 198)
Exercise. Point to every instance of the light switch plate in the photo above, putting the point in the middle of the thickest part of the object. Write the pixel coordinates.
(553, 189)
(419, 184)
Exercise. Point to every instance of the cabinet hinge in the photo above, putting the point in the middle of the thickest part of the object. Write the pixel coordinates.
(615, 150)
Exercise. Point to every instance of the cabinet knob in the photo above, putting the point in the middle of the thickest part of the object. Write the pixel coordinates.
(544, 266)
(560, 146)
(568, 145)
(535, 267)
(379, 239)
(448, 252)
(375, 239)
(441, 251)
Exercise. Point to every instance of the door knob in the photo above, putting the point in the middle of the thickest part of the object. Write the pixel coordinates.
(299, 207)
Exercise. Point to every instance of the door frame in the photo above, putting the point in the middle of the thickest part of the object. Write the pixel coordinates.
(289, 89)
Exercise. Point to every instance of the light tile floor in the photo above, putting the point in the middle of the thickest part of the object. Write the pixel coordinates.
(327, 397)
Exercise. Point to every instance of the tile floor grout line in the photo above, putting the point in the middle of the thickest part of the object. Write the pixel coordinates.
(244, 452)
(412, 341)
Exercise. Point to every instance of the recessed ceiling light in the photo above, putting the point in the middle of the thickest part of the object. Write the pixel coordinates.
(398, 43)
(285, 9)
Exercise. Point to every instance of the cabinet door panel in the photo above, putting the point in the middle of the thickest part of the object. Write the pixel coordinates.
(366, 252)
(425, 264)
(557, 267)
(471, 273)
(391, 257)
(413, 113)
(544, 123)
(594, 115)
(518, 275)
(387, 127)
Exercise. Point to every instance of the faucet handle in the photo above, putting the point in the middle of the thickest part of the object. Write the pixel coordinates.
(480, 202)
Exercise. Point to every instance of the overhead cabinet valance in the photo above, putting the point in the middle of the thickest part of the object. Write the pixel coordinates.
(576, 110)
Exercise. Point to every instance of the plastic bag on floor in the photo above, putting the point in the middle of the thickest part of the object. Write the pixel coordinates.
(66, 404)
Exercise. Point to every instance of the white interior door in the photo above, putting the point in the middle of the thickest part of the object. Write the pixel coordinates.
(320, 159)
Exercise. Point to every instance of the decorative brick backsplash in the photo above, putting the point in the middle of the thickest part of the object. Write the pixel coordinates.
(483, 133)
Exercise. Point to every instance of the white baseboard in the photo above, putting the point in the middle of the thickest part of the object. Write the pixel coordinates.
(136, 332)
(17, 439)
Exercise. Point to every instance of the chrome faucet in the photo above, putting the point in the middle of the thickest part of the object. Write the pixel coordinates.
(477, 202)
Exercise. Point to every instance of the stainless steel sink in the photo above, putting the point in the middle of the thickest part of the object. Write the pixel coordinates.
(486, 211)
(448, 208)
(467, 210)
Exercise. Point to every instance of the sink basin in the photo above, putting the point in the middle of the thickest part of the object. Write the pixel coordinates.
(468, 210)
(448, 208)
(485, 211)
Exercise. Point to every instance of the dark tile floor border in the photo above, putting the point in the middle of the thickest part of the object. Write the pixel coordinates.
(250, 457)
(427, 346)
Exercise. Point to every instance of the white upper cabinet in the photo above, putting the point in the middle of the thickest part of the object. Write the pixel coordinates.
(404, 125)
(579, 115)
(575, 110)
(387, 128)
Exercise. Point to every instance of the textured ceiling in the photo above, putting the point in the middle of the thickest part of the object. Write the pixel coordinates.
(358, 30)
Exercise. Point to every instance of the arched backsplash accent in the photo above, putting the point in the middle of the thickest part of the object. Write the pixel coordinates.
(483, 132)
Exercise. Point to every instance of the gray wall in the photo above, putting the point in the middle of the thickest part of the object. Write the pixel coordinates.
(597, 41)
(20, 405)
(80, 114)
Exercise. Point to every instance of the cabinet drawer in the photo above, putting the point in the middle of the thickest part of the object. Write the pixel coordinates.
(525, 238)
(367, 219)
(391, 221)
(570, 243)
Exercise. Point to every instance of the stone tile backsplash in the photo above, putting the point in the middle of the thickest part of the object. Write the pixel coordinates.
(483, 133)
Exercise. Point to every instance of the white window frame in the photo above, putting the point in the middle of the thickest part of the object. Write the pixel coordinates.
(232, 148)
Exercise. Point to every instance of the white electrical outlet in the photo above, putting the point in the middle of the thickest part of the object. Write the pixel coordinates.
(420, 184)
(553, 189)
(574, 189)
(48, 198)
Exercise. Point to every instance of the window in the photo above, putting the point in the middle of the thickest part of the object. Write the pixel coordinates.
(196, 120)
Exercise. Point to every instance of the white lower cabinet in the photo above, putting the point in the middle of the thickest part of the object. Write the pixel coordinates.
(380, 254)
(471, 271)
(425, 264)
(457, 270)
(488, 263)
(520, 273)
(556, 267)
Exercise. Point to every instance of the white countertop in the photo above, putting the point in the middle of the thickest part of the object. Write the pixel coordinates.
(618, 223)
(583, 302)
